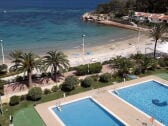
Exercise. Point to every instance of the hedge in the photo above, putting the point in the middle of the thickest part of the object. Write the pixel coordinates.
(70, 83)
(34, 94)
(87, 82)
(54, 88)
(89, 69)
(3, 69)
(106, 77)
(14, 100)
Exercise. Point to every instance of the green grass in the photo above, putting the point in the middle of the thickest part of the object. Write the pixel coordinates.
(162, 75)
(27, 117)
(12, 110)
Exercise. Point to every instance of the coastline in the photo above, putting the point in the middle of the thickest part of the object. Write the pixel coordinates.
(105, 19)
(100, 53)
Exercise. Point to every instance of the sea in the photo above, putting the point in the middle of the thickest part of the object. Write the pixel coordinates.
(43, 25)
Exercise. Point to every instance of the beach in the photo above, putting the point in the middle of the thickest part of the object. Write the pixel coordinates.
(101, 53)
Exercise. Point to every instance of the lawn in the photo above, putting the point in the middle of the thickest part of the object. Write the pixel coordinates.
(162, 75)
(27, 117)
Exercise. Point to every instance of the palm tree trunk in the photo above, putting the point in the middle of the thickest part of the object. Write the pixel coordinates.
(55, 73)
(29, 72)
(154, 54)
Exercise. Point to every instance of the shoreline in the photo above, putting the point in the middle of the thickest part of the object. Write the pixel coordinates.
(104, 19)
(116, 24)
(99, 53)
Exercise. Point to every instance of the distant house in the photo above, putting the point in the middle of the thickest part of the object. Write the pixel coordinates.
(151, 17)
(139, 16)
(164, 18)
(155, 18)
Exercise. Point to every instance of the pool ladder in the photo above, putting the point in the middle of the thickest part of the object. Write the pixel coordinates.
(58, 105)
(116, 92)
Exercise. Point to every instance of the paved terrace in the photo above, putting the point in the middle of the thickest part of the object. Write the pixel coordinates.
(125, 112)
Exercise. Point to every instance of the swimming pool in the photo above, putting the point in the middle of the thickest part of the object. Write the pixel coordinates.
(150, 97)
(85, 112)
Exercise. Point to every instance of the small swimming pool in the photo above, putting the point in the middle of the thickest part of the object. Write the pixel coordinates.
(85, 112)
(150, 97)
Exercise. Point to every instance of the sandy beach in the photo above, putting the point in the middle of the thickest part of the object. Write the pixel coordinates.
(107, 51)
(100, 53)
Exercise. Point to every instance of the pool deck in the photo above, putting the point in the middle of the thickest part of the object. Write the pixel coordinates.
(125, 112)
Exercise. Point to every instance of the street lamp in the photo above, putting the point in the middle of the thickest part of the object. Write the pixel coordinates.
(1, 105)
(3, 58)
(138, 49)
(83, 39)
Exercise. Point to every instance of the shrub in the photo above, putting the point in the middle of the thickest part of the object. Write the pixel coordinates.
(89, 69)
(23, 97)
(3, 69)
(35, 94)
(19, 79)
(2, 83)
(137, 71)
(87, 82)
(162, 62)
(106, 77)
(70, 83)
(47, 91)
(14, 100)
(54, 89)
(95, 68)
(95, 77)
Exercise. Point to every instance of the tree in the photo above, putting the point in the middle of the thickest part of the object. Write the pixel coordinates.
(157, 32)
(152, 6)
(27, 62)
(70, 83)
(139, 61)
(15, 56)
(57, 60)
(34, 93)
(3, 69)
(122, 64)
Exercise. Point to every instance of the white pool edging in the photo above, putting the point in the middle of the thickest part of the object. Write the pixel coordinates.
(98, 103)
(110, 91)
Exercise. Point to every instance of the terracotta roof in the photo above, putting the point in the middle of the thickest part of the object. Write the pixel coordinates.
(152, 15)
(164, 17)
(155, 16)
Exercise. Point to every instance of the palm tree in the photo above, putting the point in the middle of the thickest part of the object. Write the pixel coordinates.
(14, 56)
(57, 60)
(157, 32)
(122, 64)
(27, 62)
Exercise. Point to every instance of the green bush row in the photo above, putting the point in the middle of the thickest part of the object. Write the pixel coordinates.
(34, 94)
(89, 69)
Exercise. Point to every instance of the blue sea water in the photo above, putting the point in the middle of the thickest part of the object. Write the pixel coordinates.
(86, 113)
(40, 25)
(150, 97)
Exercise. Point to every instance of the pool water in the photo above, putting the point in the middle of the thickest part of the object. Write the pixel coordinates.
(85, 112)
(150, 97)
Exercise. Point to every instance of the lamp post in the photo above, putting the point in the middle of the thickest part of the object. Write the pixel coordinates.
(138, 49)
(3, 59)
(83, 44)
(1, 105)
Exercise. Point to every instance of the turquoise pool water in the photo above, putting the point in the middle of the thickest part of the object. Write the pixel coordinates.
(86, 112)
(150, 97)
